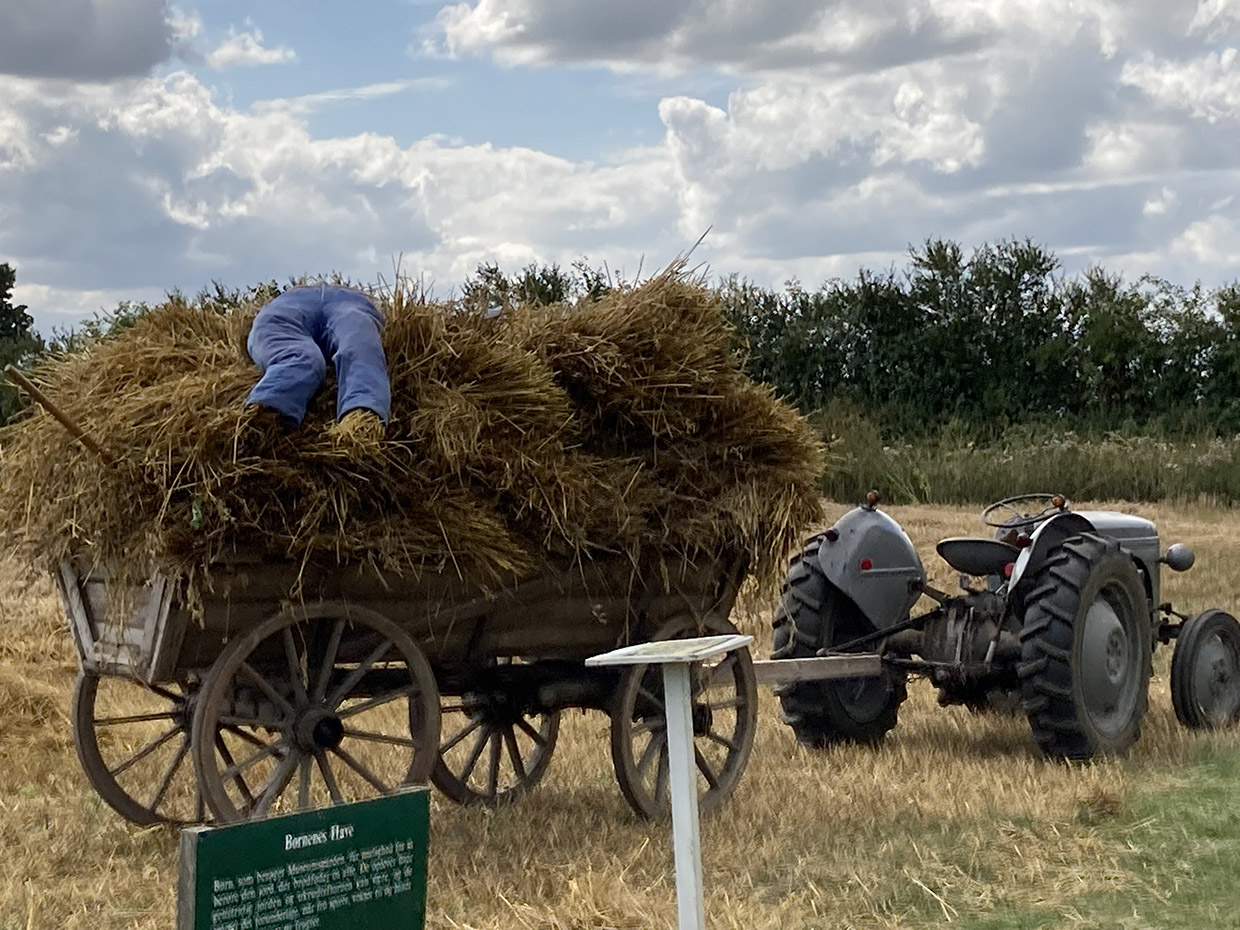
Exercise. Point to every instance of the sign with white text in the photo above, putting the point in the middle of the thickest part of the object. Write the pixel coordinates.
(350, 866)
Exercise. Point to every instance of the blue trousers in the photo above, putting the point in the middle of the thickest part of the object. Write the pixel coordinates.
(294, 336)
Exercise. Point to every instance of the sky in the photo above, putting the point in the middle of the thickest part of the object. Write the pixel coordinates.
(146, 146)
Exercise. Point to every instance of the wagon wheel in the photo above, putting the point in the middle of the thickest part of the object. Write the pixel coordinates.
(725, 704)
(494, 749)
(133, 741)
(319, 705)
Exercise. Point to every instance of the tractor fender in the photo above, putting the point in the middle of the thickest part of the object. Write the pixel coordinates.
(869, 557)
(1046, 537)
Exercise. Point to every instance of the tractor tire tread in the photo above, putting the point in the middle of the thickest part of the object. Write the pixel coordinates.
(802, 626)
(1052, 608)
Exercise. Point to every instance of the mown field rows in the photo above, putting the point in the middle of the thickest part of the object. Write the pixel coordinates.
(954, 819)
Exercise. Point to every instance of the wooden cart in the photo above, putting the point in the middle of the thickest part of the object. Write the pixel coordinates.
(300, 690)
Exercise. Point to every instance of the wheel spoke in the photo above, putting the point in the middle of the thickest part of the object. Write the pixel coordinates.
(232, 720)
(294, 666)
(730, 704)
(359, 673)
(132, 718)
(493, 766)
(279, 781)
(532, 733)
(303, 783)
(646, 725)
(378, 700)
(356, 764)
(514, 752)
(241, 734)
(460, 734)
(646, 693)
(711, 778)
(329, 779)
(236, 769)
(165, 693)
(660, 781)
(722, 740)
(169, 773)
(380, 738)
(329, 661)
(476, 753)
(227, 756)
(651, 750)
(265, 686)
(143, 752)
(720, 673)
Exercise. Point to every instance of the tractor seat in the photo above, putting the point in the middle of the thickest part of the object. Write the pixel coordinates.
(977, 556)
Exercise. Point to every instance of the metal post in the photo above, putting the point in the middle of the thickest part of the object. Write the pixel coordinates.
(682, 780)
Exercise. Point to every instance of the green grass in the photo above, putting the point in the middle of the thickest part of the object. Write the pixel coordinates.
(957, 465)
(1180, 849)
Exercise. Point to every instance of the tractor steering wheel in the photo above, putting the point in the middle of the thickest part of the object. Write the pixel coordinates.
(1021, 510)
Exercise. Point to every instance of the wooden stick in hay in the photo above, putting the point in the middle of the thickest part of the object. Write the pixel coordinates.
(63, 418)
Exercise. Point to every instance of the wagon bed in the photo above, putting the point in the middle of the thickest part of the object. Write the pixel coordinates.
(294, 688)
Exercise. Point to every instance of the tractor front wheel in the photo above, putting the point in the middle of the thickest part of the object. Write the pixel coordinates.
(1085, 650)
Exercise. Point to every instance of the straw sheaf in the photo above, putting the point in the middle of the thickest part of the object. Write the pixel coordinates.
(622, 426)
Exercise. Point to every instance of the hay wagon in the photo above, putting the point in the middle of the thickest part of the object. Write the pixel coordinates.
(292, 689)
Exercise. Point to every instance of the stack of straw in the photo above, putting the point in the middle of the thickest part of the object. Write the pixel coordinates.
(623, 426)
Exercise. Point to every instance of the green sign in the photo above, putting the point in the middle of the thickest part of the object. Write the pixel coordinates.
(353, 866)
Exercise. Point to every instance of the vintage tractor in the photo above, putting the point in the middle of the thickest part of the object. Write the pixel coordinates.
(1060, 614)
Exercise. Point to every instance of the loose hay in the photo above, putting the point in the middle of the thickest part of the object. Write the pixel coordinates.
(624, 426)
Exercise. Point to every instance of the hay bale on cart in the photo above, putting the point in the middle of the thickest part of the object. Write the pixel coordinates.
(289, 613)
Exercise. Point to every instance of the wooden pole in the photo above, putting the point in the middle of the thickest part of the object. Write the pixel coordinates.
(63, 418)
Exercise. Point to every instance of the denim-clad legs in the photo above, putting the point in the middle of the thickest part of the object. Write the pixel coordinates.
(295, 334)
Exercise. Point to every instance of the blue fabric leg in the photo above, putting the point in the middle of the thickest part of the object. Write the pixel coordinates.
(352, 330)
(282, 344)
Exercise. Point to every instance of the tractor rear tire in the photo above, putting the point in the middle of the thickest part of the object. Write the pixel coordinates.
(1086, 650)
(812, 615)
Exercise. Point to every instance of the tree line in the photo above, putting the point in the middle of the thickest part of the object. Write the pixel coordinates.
(995, 337)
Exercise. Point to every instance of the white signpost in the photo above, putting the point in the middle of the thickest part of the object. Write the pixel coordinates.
(678, 656)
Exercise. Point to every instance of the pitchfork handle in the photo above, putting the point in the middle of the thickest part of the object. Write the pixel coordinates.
(65, 420)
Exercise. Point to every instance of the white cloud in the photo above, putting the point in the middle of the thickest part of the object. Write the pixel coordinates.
(185, 25)
(307, 102)
(1214, 18)
(1164, 201)
(165, 186)
(246, 50)
(1214, 240)
(852, 130)
(1207, 86)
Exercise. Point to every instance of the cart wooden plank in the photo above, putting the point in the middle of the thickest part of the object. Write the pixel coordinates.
(824, 668)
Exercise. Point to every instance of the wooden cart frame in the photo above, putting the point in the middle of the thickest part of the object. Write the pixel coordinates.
(295, 689)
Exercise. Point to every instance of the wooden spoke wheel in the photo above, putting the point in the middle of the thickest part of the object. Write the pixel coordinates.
(725, 705)
(319, 705)
(493, 749)
(133, 741)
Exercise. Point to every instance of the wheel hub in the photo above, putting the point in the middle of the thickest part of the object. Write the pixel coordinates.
(1109, 667)
(318, 729)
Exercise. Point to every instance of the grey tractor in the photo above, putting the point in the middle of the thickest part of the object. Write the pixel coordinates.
(1059, 614)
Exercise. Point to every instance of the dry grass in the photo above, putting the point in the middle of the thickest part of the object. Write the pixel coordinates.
(954, 817)
(625, 425)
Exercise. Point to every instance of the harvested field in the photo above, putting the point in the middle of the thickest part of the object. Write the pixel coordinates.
(953, 820)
